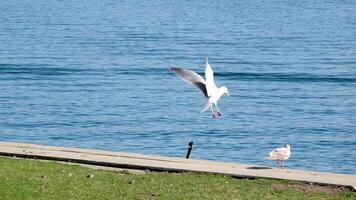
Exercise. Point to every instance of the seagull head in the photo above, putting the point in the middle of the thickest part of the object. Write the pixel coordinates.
(287, 146)
(225, 90)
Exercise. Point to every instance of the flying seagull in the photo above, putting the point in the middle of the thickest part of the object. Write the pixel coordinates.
(280, 154)
(211, 93)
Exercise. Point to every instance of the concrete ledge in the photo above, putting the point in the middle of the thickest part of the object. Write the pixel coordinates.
(160, 163)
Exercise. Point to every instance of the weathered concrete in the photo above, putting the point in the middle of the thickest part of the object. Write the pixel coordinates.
(160, 163)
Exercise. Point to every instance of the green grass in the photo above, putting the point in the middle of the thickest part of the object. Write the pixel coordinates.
(32, 179)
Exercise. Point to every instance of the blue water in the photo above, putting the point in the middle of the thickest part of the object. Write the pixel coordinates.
(94, 74)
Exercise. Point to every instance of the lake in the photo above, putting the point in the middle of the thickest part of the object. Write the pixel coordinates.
(95, 74)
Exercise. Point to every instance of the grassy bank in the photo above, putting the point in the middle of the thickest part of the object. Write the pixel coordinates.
(31, 179)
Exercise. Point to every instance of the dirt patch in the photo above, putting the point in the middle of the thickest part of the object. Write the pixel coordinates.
(311, 188)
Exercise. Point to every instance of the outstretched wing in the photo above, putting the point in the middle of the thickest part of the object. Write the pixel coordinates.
(192, 78)
(209, 75)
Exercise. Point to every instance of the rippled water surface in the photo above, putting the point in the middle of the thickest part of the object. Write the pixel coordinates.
(94, 74)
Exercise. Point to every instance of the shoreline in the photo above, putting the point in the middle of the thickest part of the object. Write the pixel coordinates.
(170, 164)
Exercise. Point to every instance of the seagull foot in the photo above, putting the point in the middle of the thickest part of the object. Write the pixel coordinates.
(219, 114)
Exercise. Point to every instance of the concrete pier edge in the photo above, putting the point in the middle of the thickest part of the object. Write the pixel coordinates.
(169, 164)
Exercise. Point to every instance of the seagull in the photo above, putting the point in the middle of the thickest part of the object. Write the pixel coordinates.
(280, 154)
(211, 93)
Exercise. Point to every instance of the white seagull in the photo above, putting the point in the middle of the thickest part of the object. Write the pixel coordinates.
(211, 93)
(280, 154)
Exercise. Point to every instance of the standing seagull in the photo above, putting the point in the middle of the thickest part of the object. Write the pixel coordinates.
(280, 154)
(211, 93)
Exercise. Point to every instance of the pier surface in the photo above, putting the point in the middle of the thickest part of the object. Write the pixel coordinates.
(171, 164)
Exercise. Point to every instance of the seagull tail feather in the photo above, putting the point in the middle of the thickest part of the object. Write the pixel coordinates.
(206, 106)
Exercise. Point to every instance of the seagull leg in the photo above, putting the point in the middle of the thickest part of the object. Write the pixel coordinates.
(211, 108)
(219, 113)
